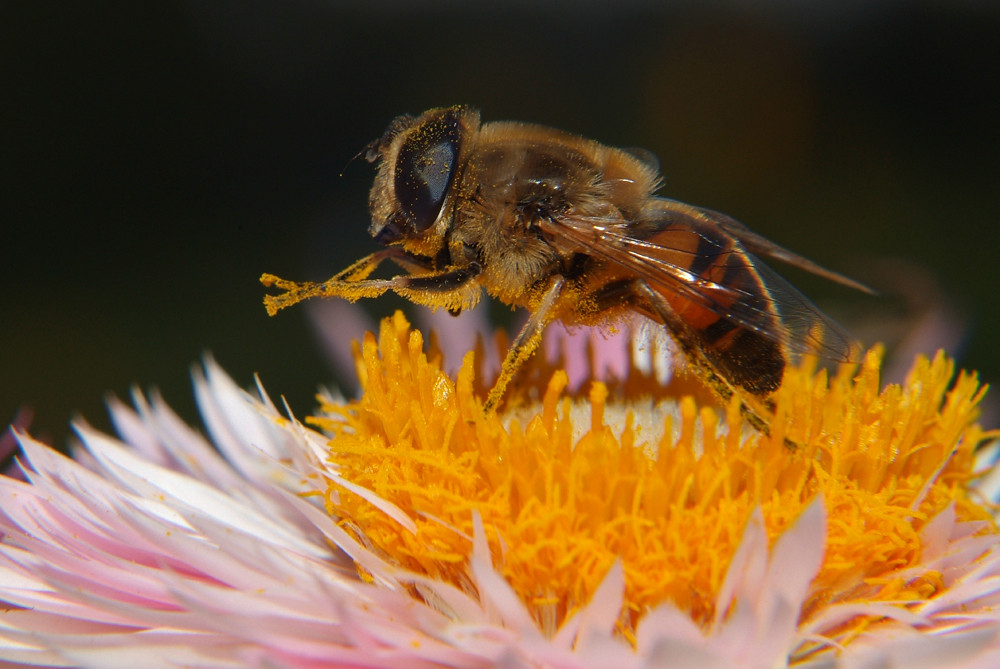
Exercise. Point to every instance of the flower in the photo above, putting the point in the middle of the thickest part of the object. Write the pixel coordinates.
(617, 525)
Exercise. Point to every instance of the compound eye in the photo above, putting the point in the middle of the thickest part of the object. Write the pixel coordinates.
(425, 166)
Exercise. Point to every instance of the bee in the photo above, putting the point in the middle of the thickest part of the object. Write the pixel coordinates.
(571, 230)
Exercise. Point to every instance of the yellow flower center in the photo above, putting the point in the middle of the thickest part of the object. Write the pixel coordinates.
(668, 490)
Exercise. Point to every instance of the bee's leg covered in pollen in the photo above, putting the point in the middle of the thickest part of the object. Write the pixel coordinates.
(450, 288)
(527, 340)
(756, 410)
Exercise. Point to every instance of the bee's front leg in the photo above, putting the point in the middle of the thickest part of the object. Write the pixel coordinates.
(295, 291)
(451, 288)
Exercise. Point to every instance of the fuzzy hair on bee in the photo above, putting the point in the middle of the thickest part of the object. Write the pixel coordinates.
(571, 230)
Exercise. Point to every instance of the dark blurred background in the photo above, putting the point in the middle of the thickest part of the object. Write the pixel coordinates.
(160, 155)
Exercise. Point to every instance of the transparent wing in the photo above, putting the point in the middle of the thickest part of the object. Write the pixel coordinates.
(683, 251)
(764, 247)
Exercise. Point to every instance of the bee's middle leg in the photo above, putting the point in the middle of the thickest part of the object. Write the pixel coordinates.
(527, 340)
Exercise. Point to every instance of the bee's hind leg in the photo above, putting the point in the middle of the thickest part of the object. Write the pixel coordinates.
(756, 410)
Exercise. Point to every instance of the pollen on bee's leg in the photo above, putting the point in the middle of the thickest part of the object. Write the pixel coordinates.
(270, 280)
(496, 394)
(756, 421)
(517, 355)
(294, 292)
(346, 290)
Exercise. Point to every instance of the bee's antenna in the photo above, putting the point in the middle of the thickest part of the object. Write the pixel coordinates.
(371, 152)
(348, 163)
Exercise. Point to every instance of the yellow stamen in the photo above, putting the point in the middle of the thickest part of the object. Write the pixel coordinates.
(558, 512)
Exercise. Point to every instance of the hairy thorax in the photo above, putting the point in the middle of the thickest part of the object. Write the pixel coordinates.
(509, 188)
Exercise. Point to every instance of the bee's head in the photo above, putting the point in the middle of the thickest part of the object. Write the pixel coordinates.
(418, 158)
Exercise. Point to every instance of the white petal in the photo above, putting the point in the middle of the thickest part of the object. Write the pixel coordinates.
(598, 618)
(921, 651)
(151, 481)
(495, 592)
